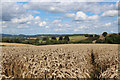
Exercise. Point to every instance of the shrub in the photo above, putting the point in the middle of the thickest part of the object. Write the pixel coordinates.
(97, 36)
(86, 35)
(90, 36)
(85, 41)
(53, 38)
(66, 38)
(113, 38)
(100, 41)
(45, 38)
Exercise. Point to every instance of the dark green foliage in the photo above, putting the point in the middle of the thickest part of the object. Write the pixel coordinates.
(90, 36)
(37, 40)
(97, 36)
(60, 38)
(45, 38)
(66, 38)
(86, 35)
(53, 38)
(100, 41)
(104, 34)
(118, 33)
(5, 39)
(11, 40)
(113, 38)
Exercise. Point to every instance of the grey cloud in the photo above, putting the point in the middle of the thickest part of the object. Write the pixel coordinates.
(11, 10)
(54, 7)
(49, 7)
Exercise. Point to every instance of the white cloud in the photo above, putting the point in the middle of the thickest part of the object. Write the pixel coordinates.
(94, 17)
(93, 7)
(112, 31)
(47, 27)
(14, 0)
(67, 25)
(69, 15)
(56, 21)
(61, 7)
(80, 28)
(62, 1)
(37, 18)
(59, 29)
(42, 23)
(12, 10)
(55, 10)
(36, 12)
(17, 16)
(23, 19)
(4, 26)
(60, 25)
(22, 26)
(108, 24)
(28, 22)
(110, 13)
(80, 16)
(36, 22)
(49, 7)
(3, 22)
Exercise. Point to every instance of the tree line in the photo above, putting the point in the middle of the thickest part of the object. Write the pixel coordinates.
(109, 38)
(45, 40)
(106, 38)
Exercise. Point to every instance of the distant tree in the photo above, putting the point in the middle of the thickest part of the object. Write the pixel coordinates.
(37, 40)
(67, 38)
(104, 34)
(90, 35)
(45, 39)
(53, 38)
(113, 38)
(97, 36)
(60, 38)
(5, 39)
(118, 33)
(16, 40)
(86, 35)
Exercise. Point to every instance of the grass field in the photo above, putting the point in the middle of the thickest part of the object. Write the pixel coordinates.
(76, 38)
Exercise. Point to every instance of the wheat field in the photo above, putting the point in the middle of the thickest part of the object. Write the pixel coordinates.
(60, 61)
(14, 44)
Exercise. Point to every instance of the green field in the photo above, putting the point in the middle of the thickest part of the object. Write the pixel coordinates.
(77, 38)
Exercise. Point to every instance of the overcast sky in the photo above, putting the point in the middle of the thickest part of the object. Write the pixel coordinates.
(59, 17)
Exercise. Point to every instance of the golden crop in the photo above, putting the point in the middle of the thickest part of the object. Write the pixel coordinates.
(60, 61)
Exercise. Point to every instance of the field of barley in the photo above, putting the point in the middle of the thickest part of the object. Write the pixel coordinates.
(60, 61)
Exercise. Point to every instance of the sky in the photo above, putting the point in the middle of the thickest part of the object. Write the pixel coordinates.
(33, 17)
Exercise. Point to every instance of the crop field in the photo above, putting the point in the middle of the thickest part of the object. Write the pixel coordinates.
(14, 44)
(60, 61)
